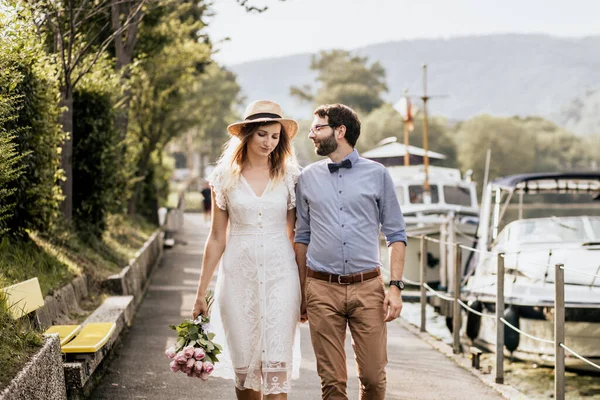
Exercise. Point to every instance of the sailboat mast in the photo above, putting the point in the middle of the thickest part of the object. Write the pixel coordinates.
(426, 188)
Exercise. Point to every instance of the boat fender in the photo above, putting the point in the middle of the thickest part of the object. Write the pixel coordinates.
(432, 261)
(474, 320)
(511, 337)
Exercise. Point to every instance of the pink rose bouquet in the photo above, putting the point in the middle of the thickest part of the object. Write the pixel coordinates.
(195, 353)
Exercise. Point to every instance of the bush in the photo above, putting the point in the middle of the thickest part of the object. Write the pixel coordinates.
(99, 179)
(38, 135)
(9, 157)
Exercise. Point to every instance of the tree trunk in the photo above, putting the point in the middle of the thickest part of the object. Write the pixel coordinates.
(66, 120)
(124, 56)
(139, 185)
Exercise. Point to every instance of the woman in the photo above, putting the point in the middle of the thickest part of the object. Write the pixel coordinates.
(258, 288)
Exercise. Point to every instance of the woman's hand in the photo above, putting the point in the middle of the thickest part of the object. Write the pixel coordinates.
(200, 307)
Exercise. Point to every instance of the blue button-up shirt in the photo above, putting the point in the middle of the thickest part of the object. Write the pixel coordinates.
(340, 214)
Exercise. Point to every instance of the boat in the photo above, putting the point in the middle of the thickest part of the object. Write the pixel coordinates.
(532, 247)
(449, 213)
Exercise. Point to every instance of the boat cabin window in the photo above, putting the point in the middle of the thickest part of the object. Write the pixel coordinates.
(415, 193)
(457, 195)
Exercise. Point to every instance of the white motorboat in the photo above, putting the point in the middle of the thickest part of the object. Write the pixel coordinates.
(532, 248)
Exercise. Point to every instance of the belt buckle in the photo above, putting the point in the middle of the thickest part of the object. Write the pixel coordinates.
(339, 279)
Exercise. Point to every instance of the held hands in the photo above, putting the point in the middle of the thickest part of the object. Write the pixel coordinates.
(200, 307)
(392, 304)
(303, 314)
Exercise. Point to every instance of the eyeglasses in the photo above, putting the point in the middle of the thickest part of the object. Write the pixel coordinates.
(317, 128)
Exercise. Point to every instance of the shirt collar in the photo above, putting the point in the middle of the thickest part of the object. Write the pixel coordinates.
(353, 157)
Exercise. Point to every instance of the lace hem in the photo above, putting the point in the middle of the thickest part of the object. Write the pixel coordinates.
(268, 379)
(215, 179)
(291, 177)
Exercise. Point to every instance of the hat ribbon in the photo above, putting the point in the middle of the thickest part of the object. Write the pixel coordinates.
(262, 115)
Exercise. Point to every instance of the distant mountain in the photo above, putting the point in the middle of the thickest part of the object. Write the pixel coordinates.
(502, 75)
(582, 114)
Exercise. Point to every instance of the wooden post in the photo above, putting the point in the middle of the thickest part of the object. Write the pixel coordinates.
(423, 291)
(559, 332)
(500, 324)
(407, 152)
(455, 306)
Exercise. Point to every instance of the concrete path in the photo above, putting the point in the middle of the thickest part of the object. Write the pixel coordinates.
(140, 370)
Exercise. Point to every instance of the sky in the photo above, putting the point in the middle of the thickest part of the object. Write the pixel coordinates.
(308, 26)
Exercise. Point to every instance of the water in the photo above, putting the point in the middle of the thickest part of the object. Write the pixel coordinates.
(534, 381)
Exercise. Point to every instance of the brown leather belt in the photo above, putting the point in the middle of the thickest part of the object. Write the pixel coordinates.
(344, 279)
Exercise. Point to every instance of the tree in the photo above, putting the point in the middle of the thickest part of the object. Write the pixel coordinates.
(345, 78)
(75, 36)
(512, 146)
(164, 88)
(218, 92)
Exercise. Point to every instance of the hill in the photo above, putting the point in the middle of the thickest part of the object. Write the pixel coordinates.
(502, 75)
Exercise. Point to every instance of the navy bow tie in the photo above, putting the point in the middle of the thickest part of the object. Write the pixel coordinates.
(334, 167)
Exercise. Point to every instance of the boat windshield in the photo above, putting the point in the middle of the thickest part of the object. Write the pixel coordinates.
(457, 195)
(415, 193)
(554, 229)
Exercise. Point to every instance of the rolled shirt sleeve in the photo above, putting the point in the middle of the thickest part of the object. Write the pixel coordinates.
(390, 215)
(302, 215)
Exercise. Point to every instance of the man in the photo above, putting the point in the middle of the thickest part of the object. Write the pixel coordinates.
(341, 204)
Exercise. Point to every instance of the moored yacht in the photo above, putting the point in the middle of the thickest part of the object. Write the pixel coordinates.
(532, 248)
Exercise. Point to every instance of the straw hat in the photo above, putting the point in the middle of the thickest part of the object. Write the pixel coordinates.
(264, 111)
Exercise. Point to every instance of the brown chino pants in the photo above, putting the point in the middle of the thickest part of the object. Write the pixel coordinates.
(331, 307)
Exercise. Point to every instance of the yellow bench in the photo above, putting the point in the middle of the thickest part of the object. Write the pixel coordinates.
(26, 297)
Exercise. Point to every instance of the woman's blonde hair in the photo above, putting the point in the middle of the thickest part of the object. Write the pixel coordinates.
(236, 154)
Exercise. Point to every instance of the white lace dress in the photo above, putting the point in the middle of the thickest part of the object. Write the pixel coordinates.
(258, 289)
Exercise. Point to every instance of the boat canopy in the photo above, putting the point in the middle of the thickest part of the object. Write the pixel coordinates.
(552, 182)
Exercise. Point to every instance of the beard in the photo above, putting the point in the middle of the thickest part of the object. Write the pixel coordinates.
(327, 145)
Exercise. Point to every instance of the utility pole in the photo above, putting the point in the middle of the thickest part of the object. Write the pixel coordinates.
(425, 98)
(426, 188)
(408, 112)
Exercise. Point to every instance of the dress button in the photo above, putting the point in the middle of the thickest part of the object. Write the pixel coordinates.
(342, 225)
(340, 191)
(260, 214)
(341, 208)
(340, 176)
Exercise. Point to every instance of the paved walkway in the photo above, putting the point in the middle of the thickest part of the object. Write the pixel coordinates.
(140, 370)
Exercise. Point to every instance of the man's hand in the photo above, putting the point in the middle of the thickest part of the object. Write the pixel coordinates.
(392, 304)
(303, 314)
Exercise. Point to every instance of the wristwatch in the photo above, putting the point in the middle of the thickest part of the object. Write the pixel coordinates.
(398, 284)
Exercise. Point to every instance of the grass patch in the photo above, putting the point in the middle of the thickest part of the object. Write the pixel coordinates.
(56, 260)
(19, 341)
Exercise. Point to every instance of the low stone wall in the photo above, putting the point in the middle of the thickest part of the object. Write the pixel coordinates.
(63, 302)
(133, 278)
(42, 378)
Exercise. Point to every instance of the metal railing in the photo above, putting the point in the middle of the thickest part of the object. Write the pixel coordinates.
(501, 322)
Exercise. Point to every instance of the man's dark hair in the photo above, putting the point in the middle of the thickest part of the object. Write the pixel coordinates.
(339, 114)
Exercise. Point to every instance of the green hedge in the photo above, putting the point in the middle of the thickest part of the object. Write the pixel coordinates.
(38, 135)
(99, 177)
(9, 157)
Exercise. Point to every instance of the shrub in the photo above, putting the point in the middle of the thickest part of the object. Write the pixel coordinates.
(99, 177)
(38, 135)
